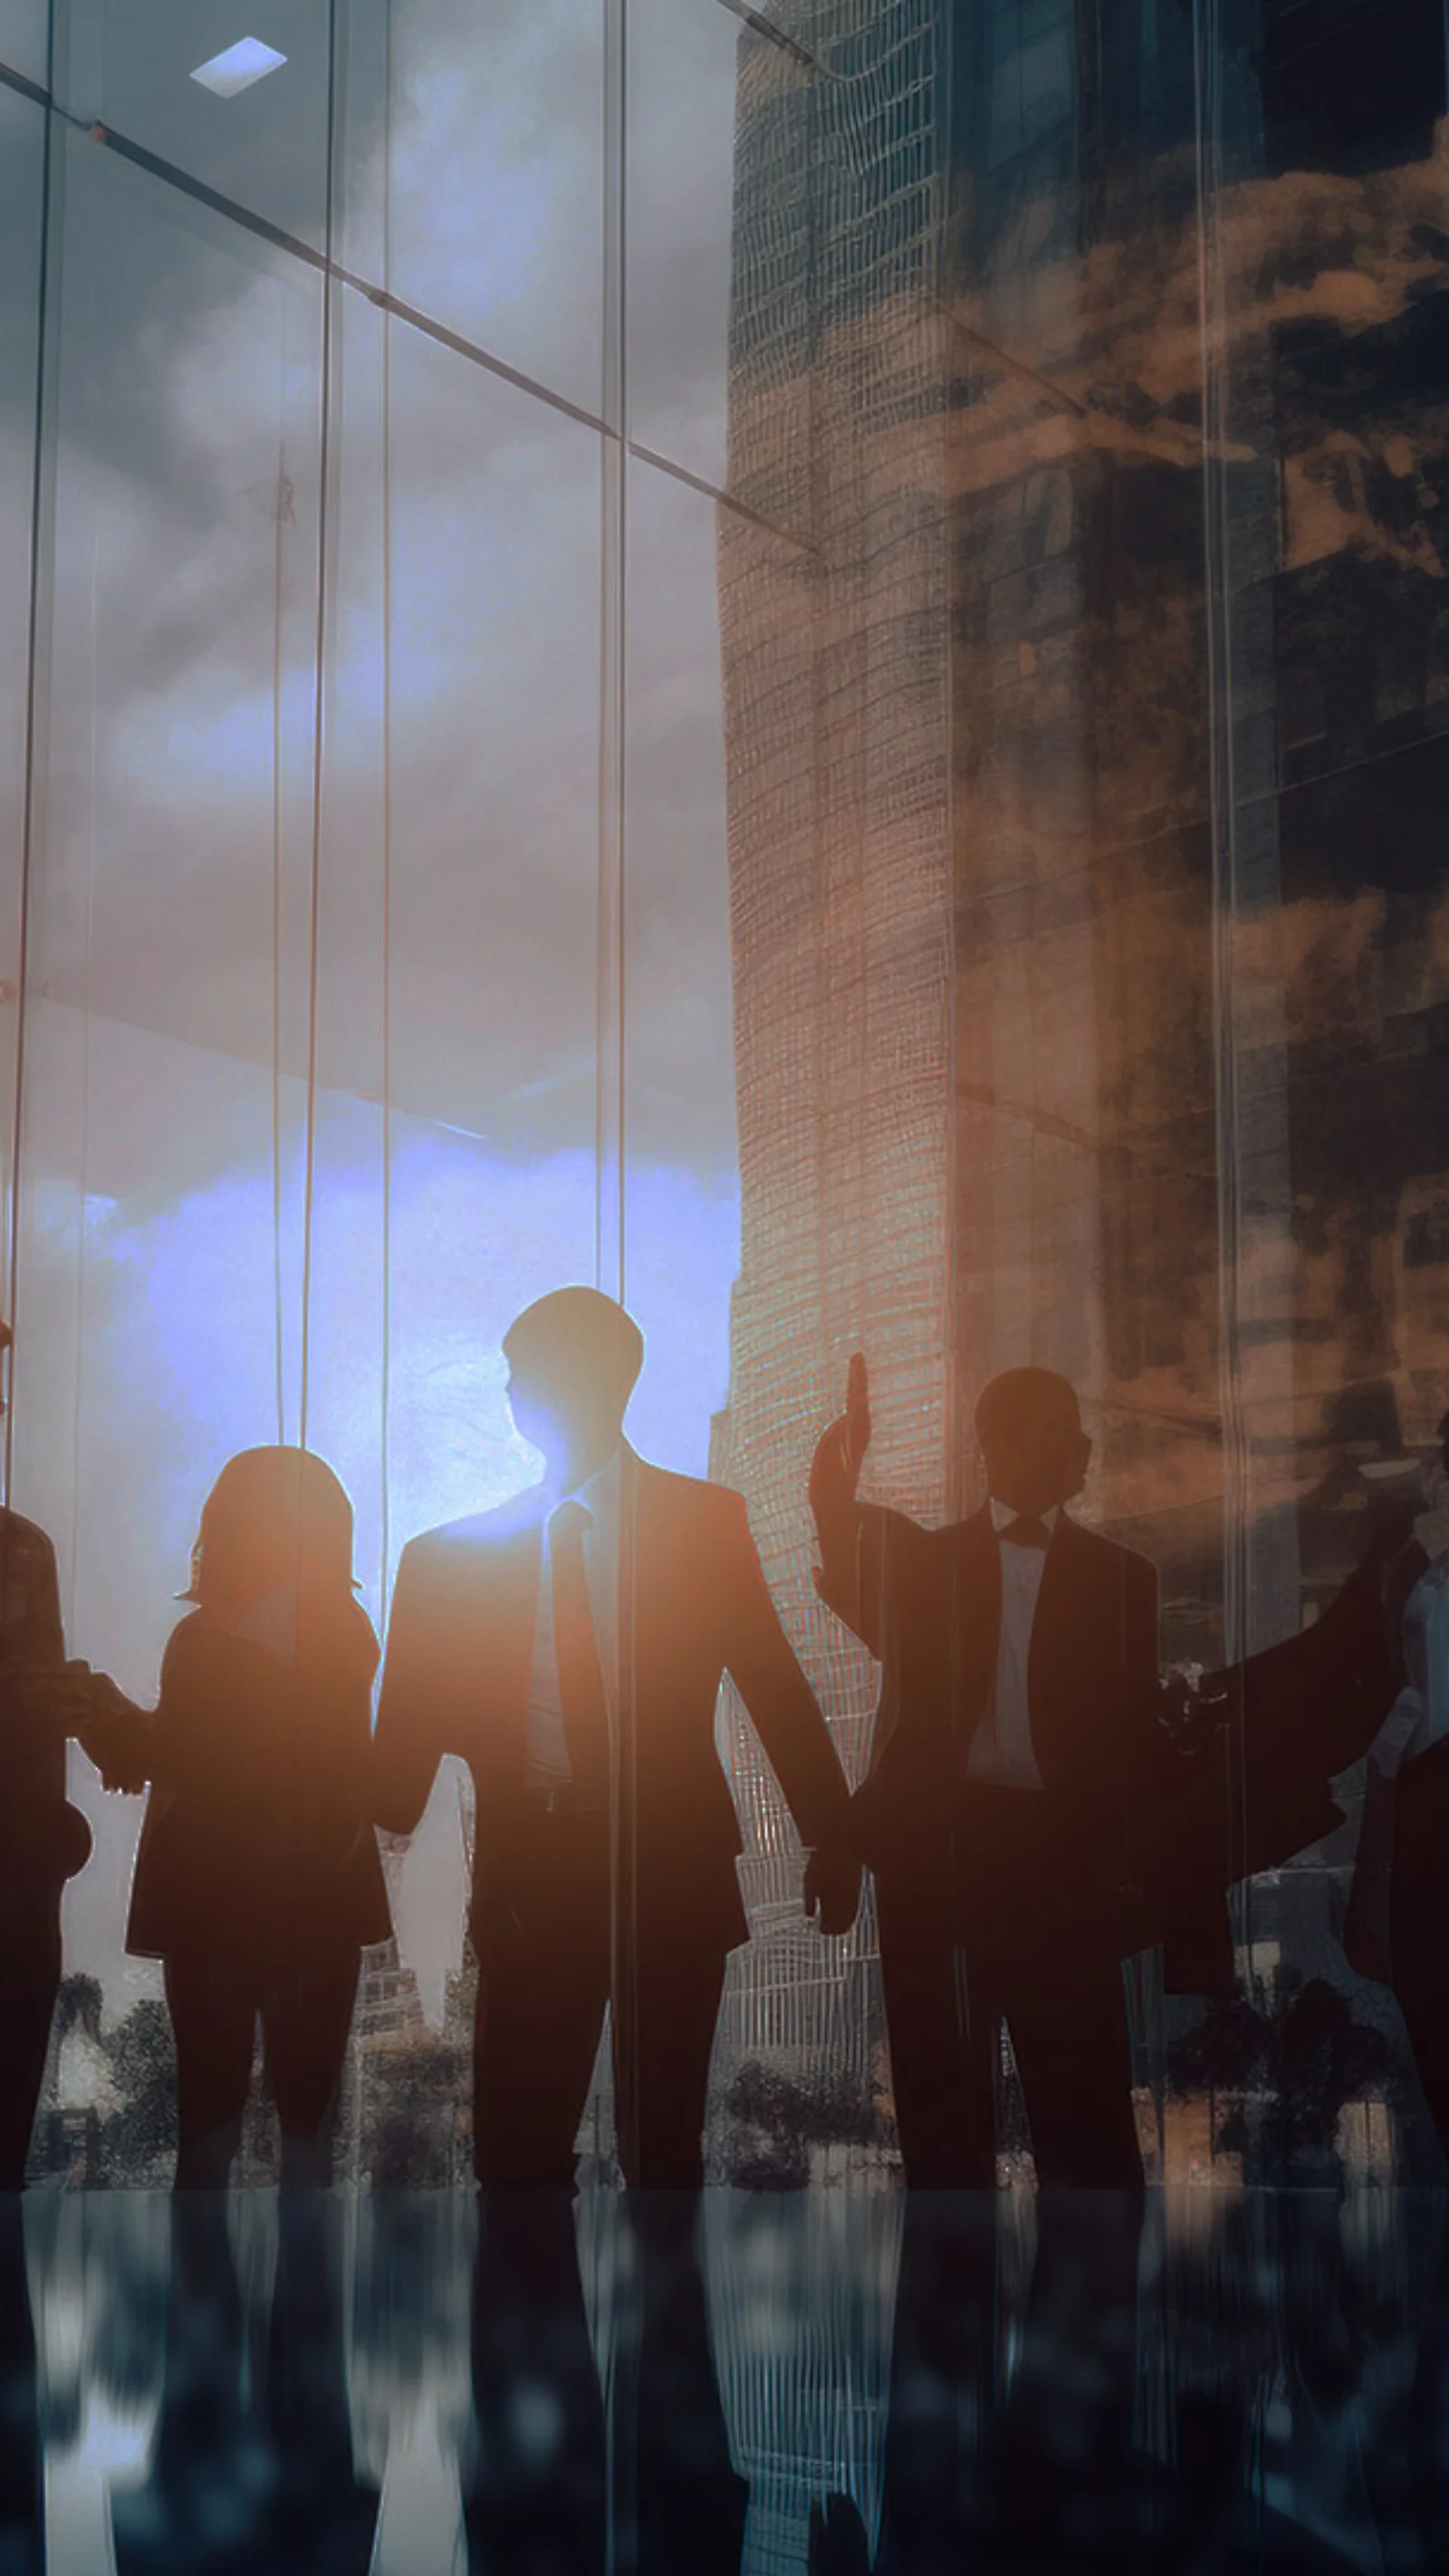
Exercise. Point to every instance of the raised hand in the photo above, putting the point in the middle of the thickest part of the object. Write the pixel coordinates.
(117, 1736)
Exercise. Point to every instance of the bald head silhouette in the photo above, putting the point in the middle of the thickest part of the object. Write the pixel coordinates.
(573, 1359)
(1033, 1447)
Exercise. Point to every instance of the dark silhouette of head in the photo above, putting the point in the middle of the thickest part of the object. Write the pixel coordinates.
(573, 1358)
(1033, 1447)
(274, 1517)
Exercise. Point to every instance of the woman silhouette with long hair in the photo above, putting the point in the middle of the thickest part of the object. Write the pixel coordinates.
(257, 1878)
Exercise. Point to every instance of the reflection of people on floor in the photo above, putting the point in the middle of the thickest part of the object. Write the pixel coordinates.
(535, 2500)
(1002, 1811)
(1406, 2457)
(1012, 2436)
(558, 2486)
(22, 2482)
(323, 2515)
(257, 1878)
(947, 2354)
(1398, 1923)
(1260, 2403)
(251, 2469)
(1044, 2428)
(1063, 2482)
(43, 1839)
(689, 2503)
(570, 1647)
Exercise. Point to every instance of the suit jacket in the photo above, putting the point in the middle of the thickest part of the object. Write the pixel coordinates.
(693, 1604)
(43, 1839)
(1181, 1827)
(258, 1840)
(928, 1604)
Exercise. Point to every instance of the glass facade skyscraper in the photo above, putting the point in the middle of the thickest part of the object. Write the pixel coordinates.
(811, 635)
(1085, 793)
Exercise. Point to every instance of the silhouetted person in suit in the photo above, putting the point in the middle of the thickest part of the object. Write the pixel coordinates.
(570, 1648)
(43, 1839)
(1018, 1717)
(257, 1878)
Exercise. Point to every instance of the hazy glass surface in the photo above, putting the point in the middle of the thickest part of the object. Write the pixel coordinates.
(973, 893)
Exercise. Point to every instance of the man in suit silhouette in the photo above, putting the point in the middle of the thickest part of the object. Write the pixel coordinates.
(570, 1647)
(1018, 1724)
(44, 1840)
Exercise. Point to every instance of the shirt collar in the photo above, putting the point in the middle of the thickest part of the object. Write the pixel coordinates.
(599, 1493)
(1003, 1514)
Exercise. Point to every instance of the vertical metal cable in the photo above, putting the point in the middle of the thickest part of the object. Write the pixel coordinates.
(318, 707)
(30, 727)
(1222, 814)
(83, 1158)
(385, 1389)
(609, 998)
(281, 511)
(955, 1457)
(609, 1266)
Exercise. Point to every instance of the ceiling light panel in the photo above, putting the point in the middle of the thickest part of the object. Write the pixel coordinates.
(243, 63)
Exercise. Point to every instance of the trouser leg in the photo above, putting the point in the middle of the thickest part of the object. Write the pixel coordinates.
(213, 2019)
(1419, 1923)
(306, 2024)
(943, 2114)
(664, 2018)
(1068, 2024)
(1039, 1951)
(542, 1986)
(1421, 2000)
(29, 1983)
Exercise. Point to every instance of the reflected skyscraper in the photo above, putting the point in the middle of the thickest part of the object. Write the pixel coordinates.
(837, 667)
(1084, 767)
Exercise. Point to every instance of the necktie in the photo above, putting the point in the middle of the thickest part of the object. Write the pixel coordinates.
(1027, 1531)
(580, 1677)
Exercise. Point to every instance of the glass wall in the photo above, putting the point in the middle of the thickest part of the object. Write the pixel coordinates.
(790, 661)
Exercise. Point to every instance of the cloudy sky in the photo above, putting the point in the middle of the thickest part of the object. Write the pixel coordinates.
(459, 779)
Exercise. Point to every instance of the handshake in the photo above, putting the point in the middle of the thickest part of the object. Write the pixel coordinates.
(70, 1699)
(61, 1696)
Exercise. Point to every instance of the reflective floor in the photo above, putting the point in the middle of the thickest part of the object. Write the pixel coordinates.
(811, 2381)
